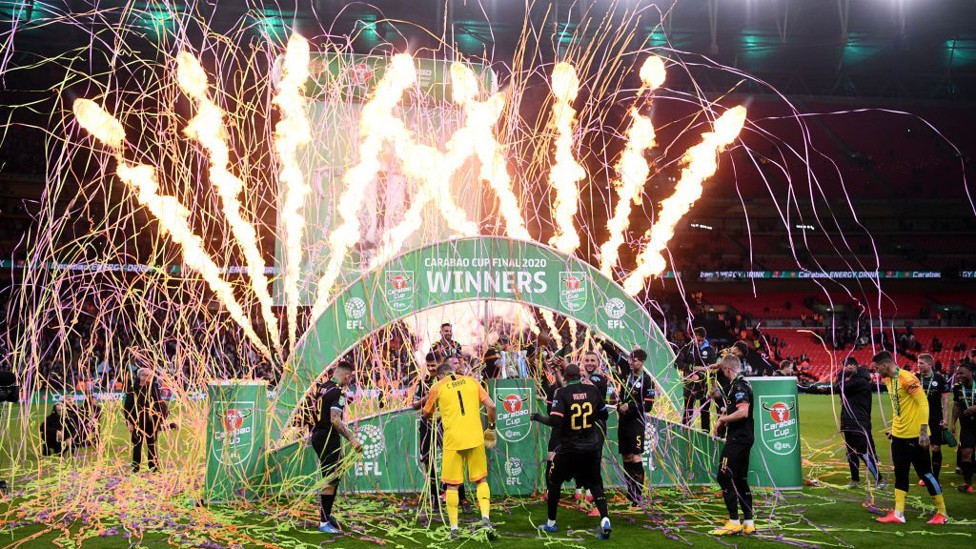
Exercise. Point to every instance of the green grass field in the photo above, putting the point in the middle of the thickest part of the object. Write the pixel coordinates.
(59, 505)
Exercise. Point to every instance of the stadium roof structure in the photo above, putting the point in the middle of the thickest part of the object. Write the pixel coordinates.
(881, 48)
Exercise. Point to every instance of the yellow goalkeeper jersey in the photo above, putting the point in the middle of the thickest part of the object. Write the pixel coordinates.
(909, 404)
(459, 400)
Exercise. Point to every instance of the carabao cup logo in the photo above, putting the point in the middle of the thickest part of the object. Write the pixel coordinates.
(779, 429)
(233, 419)
(233, 433)
(573, 290)
(780, 412)
(514, 415)
(400, 289)
(512, 403)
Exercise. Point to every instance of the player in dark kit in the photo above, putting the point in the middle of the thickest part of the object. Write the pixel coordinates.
(576, 410)
(325, 440)
(552, 381)
(590, 363)
(636, 401)
(937, 390)
(427, 433)
(964, 413)
(736, 421)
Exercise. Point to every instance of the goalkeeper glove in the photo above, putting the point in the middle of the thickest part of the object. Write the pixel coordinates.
(491, 440)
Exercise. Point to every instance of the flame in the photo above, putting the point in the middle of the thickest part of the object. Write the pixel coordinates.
(291, 132)
(551, 326)
(99, 123)
(633, 168)
(172, 215)
(207, 127)
(376, 125)
(494, 168)
(566, 171)
(700, 164)
(435, 168)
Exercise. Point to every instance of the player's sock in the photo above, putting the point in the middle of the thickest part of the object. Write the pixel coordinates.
(639, 480)
(728, 493)
(552, 504)
(601, 505)
(550, 523)
(936, 463)
(967, 472)
(744, 493)
(632, 470)
(750, 522)
(939, 502)
(484, 498)
(854, 466)
(327, 501)
(735, 522)
(452, 507)
(900, 502)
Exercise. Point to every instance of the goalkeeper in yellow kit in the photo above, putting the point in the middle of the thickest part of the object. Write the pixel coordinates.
(909, 434)
(458, 398)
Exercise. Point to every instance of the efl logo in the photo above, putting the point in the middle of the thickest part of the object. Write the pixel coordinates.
(779, 412)
(233, 420)
(512, 404)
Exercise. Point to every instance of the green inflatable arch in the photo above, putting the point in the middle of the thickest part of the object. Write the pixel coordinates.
(473, 269)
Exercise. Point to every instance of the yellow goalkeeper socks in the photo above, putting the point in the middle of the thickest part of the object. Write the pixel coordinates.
(900, 502)
(484, 498)
(939, 502)
(452, 507)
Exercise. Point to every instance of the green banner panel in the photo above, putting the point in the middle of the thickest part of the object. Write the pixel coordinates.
(675, 455)
(236, 437)
(775, 458)
(473, 269)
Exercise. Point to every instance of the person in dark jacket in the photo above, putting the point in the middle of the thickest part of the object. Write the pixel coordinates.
(145, 414)
(56, 432)
(854, 386)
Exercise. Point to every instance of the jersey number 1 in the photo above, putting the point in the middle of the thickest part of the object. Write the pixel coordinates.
(581, 412)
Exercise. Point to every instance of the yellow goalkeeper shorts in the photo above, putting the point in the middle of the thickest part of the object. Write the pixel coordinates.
(453, 462)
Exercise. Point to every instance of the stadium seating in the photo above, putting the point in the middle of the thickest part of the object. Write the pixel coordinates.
(824, 360)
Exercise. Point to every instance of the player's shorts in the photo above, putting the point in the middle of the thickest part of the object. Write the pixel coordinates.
(935, 435)
(630, 438)
(453, 462)
(967, 436)
(735, 457)
(582, 466)
(329, 451)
